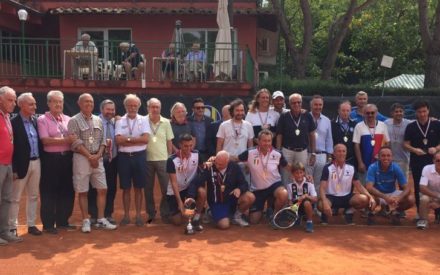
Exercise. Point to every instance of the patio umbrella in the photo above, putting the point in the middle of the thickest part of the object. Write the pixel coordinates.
(223, 52)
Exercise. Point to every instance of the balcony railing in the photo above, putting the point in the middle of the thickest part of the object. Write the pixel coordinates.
(55, 58)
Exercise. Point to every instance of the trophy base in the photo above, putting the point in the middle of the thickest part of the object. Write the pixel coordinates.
(189, 232)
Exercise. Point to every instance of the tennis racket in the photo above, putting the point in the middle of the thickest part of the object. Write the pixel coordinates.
(286, 217)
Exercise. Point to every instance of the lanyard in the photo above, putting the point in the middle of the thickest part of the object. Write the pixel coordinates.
(130, 127)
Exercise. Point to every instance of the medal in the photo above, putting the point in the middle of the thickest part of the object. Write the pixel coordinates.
(297, 132)
(425, 141)
(425, 133)
(154, 139)
(154, 130)
(222, 188)
(264, 124)
(373, 142)
(338, 187)
(345, 139)
(91, 139)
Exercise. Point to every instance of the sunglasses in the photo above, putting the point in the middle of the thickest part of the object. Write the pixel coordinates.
(199, 107)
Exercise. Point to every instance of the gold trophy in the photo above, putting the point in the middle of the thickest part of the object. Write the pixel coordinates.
(190, 209)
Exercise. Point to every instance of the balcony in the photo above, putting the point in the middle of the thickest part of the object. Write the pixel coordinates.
(41, 64)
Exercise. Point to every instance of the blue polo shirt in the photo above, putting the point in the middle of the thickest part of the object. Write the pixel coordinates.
(385, 182)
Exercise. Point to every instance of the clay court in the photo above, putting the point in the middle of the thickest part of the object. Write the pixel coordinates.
(164, 249)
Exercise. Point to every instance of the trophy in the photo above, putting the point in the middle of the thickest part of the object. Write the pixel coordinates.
(190, 208)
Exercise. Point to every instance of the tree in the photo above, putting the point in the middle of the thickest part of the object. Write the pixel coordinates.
(298, 53)
(336, 35)
(431, 44)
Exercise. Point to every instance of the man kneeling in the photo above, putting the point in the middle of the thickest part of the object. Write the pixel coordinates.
(182, 168)
(336, 190)
(227, 191)
(381, 183)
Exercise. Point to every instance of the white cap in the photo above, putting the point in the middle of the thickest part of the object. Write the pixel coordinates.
(277, 94)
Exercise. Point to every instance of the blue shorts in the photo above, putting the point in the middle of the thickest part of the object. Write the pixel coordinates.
(132, 169)
(172, 202)
(261, 196)
(223, 210)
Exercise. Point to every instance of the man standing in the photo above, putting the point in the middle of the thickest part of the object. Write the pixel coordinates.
(88, 166)
(235, 135)
(25, 163)
(422, 140)
(110, 158)
(227, 191)
(132, 132)
(296, 133)
(211, 132)
(56, 187)
(368, 137)
(337, 182)
(357, 114)
(278, 103)
(430, 192)
(342, 131)
(396, 130)
(182, 169)
(323, 137)
(159, 148)
(264, 165)
(381, 183)
(199, 124)
(7, 104)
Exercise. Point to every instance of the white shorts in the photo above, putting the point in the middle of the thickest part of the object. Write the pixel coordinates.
(393, 194)
(83, 174)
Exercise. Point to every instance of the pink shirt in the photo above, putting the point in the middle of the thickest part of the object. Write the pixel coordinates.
(6, 146)
(48, 126)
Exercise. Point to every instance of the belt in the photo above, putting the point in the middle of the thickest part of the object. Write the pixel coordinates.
(320, 152)
(65, 153)
(294, 149)
(33, 158)
(131, 154)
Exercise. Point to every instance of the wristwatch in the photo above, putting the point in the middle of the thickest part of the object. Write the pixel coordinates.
(128, 139)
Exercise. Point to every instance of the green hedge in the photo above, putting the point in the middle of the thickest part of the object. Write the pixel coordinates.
(332, 88)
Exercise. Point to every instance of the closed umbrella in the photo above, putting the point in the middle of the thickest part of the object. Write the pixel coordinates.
(223, 49)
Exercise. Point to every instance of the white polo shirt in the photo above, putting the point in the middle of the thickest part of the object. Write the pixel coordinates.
(431, 178)
(258, 118)
(340, 180)
(264, 170)
(185, 170)
(132, 128)
(235, 136)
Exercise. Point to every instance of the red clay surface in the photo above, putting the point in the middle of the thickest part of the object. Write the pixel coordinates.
(164, 249)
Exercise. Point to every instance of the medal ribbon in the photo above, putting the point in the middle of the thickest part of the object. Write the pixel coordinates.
(131, 127)
(427, 128)
(153, 129)
(296, 123)
(59, 125)
(235, 130)
(261, 119)
(260, 155)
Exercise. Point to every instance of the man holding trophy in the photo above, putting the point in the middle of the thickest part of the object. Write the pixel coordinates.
(182, 168)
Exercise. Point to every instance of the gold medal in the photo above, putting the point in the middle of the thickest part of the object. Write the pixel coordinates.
(222, 188)
(297, 132)
(373, 142)
(345, 139)
(91, 139)
(338, 187)
(425, 141)
(154, 139)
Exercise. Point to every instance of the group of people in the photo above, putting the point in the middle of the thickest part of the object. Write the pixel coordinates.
(243, 167)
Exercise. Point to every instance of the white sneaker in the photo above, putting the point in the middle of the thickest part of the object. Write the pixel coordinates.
(105, 224)
(86, 226)
(238, 220)
(422, 224)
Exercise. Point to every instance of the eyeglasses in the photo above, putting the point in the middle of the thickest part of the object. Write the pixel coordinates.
(199, 107)
(370, 113)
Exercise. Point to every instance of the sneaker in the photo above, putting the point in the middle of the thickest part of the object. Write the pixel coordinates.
(86, 226)
(139, 222)
(309, 227)
(324, 219)
(11, 238)
(422, 224)
(105, 224)
(3, 242)
(370, 219)
(395, 218)
(348, 218)
(124, 221)
(207, 217)
(238, 220)
(196, 225)
(111, 220)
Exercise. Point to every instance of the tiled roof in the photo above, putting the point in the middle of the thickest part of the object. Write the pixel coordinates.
(91, 10)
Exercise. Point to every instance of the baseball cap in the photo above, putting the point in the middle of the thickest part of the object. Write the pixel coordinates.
(277, 94)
